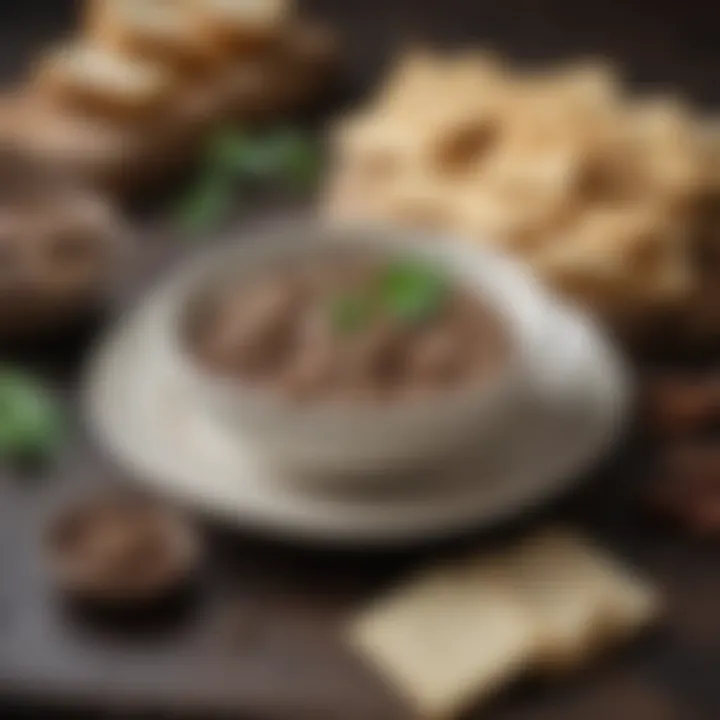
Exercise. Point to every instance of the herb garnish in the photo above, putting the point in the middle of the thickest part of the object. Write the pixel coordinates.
(236, 160)
(413, 291)
(31, 423)
(409, 291)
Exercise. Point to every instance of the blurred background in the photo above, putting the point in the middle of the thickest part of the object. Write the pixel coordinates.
(656, 44)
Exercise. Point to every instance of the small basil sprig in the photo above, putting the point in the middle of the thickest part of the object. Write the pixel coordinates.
(234, 160)
(32, 425)
(409, 291)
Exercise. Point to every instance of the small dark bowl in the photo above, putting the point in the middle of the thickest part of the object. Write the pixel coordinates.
(119, 550)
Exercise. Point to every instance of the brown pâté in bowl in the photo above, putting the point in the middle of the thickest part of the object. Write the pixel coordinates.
(121, 550)
(347, 325)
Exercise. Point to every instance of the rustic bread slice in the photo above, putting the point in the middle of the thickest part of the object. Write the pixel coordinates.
(309, 58)
(162, 31)
(83, 146)
(113, 156)
(95, 80)
(242, 26)
(266, 86)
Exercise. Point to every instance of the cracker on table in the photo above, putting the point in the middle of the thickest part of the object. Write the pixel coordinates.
(447, 638)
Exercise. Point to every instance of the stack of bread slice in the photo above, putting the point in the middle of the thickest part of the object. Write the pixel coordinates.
(134, 92)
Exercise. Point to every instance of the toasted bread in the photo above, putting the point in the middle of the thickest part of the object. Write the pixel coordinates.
(313, 46)
(308, 57)
(241, 26)
(265, 87)
(77, 145)
(97, 81)
(253, 90)
(113, 156)
(162, 31)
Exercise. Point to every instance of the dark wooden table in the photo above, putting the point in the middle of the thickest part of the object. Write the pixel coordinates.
(258, 639)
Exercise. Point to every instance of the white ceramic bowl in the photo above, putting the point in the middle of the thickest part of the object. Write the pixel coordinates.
(339, 442)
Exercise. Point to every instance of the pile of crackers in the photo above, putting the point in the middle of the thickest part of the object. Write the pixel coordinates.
(612, 198)
(137, 89)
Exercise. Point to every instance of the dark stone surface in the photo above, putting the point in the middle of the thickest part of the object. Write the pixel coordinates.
(258, 641)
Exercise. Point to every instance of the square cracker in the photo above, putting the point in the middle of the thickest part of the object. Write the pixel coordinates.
(580, 599)
(447, 638)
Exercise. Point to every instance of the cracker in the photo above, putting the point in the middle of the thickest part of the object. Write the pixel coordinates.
(599, 192)
(581, 600)
(447, 638)
(635, 255)
(458, 634)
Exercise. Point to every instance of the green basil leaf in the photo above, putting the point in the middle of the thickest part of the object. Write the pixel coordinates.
(32, 425)
(413, 291)
(285, 156)
(230, 152)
